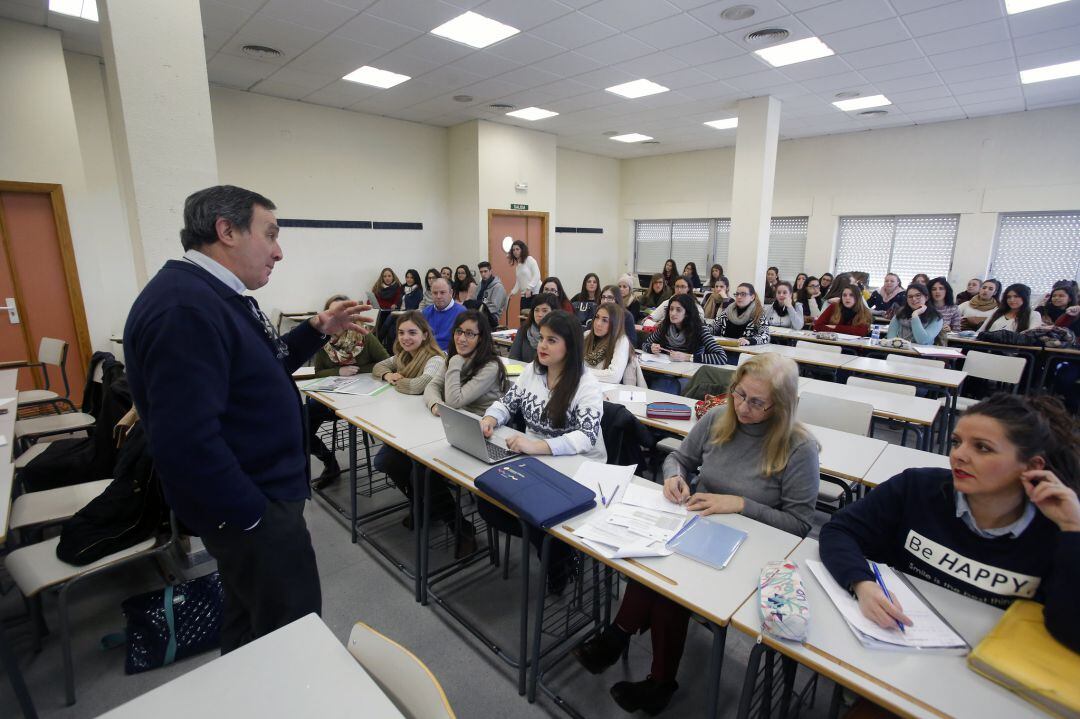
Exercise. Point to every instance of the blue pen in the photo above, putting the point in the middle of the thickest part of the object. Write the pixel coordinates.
(881, 583)
(603, 501)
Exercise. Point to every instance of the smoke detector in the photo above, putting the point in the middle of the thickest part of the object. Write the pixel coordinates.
(463, 98)
(767, 36)
(261, 52)
(738, 12)
(610, 133)
(847, 95)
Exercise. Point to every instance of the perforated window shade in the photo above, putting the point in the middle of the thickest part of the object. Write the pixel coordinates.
(864, 245)
(923, 244)
(1037, 249)
(787, 245)
(652, 244)
(720, 247)
(690, 243)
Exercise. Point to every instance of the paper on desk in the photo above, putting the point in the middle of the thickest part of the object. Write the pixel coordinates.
(653, 499)
(360, 384)
(608, 480)
(621, 535)
(934, 351)
(928, 630)
(650, 358)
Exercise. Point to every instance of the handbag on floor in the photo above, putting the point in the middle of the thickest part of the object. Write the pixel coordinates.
(173, 623)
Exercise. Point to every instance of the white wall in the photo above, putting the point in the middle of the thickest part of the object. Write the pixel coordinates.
(979, 167)
(587, 195)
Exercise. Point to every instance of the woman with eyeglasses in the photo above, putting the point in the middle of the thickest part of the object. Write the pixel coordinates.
(682, 287)
(917, 321)
(428, 299)
(629, 301)
(613, 293)
(751, 457)
(1015, 312)
(826, 283)
(553, 286)
(744, 319)
(783, 312)
(846, 314)
(607, 350)
(810, 297)
(717, 299)
(975, 311)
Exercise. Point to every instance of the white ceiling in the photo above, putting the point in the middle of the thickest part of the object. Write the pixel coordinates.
(935, 59)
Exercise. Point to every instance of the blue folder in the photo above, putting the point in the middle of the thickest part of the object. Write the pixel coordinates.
(708, 542)
(540, 495)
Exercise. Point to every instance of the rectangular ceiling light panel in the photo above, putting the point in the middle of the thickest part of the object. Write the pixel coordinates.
(631, 137)
(862, 103)
(1050, 72)
(474, 30)
(792, 52)
(368, 75)
(724, 124)
(85, 9)
(1016, 6)
(532, 113)
(637, 88)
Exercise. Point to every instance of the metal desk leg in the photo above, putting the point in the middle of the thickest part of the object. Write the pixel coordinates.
(716, 663)
(753, 666)
(419, 529)
(541, 591)
(11, 668)
(523, 620)
(352, 479)
(423, 536)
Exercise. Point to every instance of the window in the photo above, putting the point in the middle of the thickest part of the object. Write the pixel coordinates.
(903, 244)
(697, 241)
(1037, 249)
(787, 245)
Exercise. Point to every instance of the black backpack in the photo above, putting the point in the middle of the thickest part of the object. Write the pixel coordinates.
(131, 509)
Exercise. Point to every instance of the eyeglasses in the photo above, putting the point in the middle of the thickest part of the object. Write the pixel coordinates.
(813, 285)
(755, 404)
(607, 298)
(467, 334)
(742, 294)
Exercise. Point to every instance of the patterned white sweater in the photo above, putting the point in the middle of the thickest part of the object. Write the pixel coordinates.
(529, 398)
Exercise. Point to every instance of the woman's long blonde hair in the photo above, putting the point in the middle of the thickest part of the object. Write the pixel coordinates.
(411, 364)
(784, 431)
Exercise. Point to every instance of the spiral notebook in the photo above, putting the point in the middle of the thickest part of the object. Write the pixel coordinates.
(708, 542)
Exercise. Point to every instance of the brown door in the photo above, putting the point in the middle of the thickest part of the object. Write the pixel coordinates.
(38, 278)
(531, 227)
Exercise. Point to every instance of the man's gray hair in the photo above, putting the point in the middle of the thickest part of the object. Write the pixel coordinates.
(203, 208)
(444, 281)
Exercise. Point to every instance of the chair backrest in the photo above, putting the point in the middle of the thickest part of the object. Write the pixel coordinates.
(405, 679)
(842, 414)
(904, 359)
(744, 357)
(996, 368)
(818, 346)
(894, 387)
(52, 351)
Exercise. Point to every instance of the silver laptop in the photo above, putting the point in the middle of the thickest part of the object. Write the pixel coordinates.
(463, 431)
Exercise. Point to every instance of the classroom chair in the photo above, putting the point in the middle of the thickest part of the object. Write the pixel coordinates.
(818, 346)
(407, 681)
(28, 431)
(904, 359)
(840, 414)
(1003, 370)
(51, 353)
(894, 387)
(51, 506)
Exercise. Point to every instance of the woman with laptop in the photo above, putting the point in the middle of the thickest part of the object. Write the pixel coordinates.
(1003, 523)
(755, 459)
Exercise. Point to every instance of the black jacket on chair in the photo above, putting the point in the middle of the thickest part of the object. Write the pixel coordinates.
(625, 437)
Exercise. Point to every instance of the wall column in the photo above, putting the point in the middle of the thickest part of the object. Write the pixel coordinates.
(752, 190)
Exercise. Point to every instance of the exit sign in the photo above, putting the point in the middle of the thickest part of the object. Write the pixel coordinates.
(514, 206)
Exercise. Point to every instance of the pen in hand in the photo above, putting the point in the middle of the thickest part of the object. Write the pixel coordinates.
(881, 583)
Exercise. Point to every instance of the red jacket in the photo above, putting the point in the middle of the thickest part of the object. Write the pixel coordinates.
(821, 324)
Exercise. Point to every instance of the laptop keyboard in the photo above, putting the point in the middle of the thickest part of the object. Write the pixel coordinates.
(497, 453)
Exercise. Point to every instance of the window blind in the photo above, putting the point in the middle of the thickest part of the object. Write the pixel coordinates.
(904, 244)
(652, 244)
(1037, 249)
(864, 244)
(787, 245)
(720, 246)
(690, 243)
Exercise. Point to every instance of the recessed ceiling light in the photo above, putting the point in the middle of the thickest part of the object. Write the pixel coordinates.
(85, 9)
(726, 124)
(738, 12)
(262, 52)
(767, 36)
(474, 30)
(1014, 6)
(631, 137)
(500, 106)
(637, 88)
(792, 52)
(1050, 72)
(610, 133)
(368, 75)
(846, 95)
(873, 113)
(862, 103)
(532, 113)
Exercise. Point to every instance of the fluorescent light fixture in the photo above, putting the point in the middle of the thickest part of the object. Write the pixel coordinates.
(1050, 72)
(368, 75)
(532, 113)
(724, 124)
(792, 52)
(637, 88)
(85, 9)
(1015, 6)
(631, 137)
(862, 103)
(474, 30)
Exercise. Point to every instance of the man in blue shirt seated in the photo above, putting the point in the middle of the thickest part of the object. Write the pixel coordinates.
(211, 380)
(441, 314)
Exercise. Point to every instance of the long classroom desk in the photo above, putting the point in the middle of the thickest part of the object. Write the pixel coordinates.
(860, 345)
(911, 684)
(895, 459)
(801, 355)
(919, 411)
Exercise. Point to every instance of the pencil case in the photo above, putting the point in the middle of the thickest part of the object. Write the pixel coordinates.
(667, 410)
(785, 612)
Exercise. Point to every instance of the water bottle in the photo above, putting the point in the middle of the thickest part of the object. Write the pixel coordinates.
(875, 332)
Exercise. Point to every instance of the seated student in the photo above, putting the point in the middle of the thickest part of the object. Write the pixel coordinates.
(846, 315)
(826, 283)
(440, 315)
(976, 310)
(607, 350)
(553, 286)
(345, 354)
(888, 298)
(689, 271)
(657, 293)
(941, 298)
(1007, 506)
(387, 291)
(429, 277)
(629, 301)
(612, 293)
(528, 335)
(772, 276)
(447, 274)
(670, 273)
(920, 279)
(685, 337)
(416, 361)
(972, 290)
(917, 321)
(717, 299)
(810, 297)
(682, 287)
(743, 319)
(752, 458)
(1057, 302)
(585, 302)
(412, 293)
(715, 273)
(839, 283)
(491, 293)
(797, 285)
(464, 284)
(1014, 313)
(782, 312)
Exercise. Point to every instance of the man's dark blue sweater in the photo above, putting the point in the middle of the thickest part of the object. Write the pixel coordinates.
(221, 411)
(910, 523)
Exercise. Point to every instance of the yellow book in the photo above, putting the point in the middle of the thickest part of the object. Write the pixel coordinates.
(513, 369)
(1020, 654)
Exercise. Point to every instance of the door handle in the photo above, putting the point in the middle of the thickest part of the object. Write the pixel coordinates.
(13, 311)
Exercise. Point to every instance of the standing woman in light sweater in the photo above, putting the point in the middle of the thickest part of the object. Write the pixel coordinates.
(755, 459)
(526, 273)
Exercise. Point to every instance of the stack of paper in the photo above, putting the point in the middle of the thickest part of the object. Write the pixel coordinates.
(607, 481)
(363, 384)
(652, 499)
(629, 529)
(935, 351)
(650, 358)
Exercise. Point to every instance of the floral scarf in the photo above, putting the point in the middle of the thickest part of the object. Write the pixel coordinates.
(345, 347)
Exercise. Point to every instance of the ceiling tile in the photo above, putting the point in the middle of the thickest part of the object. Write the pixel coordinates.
(422, 15)
(708, 50)
(315, 14)
(1005, 94)
(903, 84)
(221, 17)
(715, 90)
(908, 68)
(571, 88)
(340, 94)
(984, 84)
(925, 118)
(605, 77)
(652, 65)
(567, 64)
(924, 93)
(1051, 40)
(677, 30)
(766, 10)
(290, 39)
(491, 89)
(1065, 14)
(616, 49)
(573, 31)
(529, 76)
(523, 15)
(687, 77)
(451, 78)
(845, 14)
(797, 31)
(832, 65)
(283, 90)
(336, 56)
(938, 103)
(972, 56)
(483, 64)
(628, 14)
(524, 48)
(800, 5)
(436, 49)
(884, 55)
(756, 81)
(994, 108)
(952, 15)
(978, 72)
(959, 38)
(404, 63)
(836, 83)
(878, 33)
(1054, 92)
(734, 66)
(375, 31)
(1049, 57)
(239, 72)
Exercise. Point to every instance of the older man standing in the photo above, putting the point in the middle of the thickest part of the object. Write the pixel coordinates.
(211, 381)
(441, 314)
